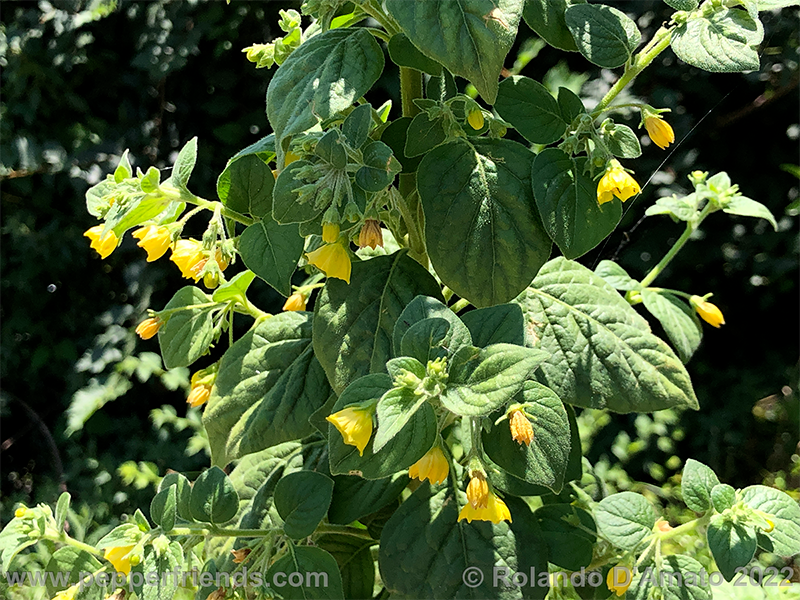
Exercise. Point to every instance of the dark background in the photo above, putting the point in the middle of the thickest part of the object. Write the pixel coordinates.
(86, 80)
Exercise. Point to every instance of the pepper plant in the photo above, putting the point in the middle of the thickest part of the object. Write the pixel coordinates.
(420, 422)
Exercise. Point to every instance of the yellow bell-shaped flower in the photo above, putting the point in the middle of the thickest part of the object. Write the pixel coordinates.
(330, 232)
(333, 260)
(619, 579)
(494, 511)
(478, 490)
(370, 234)
(659, 131)
(104, 245)
(155, 240)
(355, 425)
(521, 430)
(119, 558)
(148, 328)
(616, 182)
(188, 254)
(433, 466)
(710, 313)
(295, 302)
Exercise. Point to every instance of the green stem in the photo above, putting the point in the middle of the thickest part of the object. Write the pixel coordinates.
(190, 198)
(641, 61)
(669, 291)
(685, 528)
(410, 88)
(345, 530)
(65, 539)
(417, 246)
(169, 311)
(219, 531)
(460, 304)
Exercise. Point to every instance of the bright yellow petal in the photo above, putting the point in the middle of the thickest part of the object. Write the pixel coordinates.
(118, 557)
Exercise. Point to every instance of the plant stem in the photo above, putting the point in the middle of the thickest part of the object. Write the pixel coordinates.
(415, 240)
(65, 539)
(686, 527)
(657, 45)
(345, 530)
(190, 198)
(410, 88)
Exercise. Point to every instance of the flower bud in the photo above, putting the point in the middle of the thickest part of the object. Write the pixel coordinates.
(478, 490)
(149, 327)
(521, 430)
(659, 131)
(295, 302)
(710, 313)
(475, 119)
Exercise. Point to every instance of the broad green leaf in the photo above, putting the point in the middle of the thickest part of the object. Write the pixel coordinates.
(423, 135)
(426, 340)
(268, 385)
(570, 105)
(683, 209)
(483, 379)
(353, 323)
(422, 308)
(469, 37)
(404, 54)
(602, 353)
(531, 109)
(74, 565)
(285, 207)
(263, 148)
(426, 552)
(604, 35)
(62, 508)
(235, 289)
(679, 321)
(187, 334)
(732, 544)
(567, 202)
(320, 577)
(746, 207)
(501, 324)
(271, 251)
(354, 557)
(616, 276)
(163, 507)
(302, 499)
(785, 513)
(621, 141)
(356, 126)
(246, 186)
(723, 497)
(570, 535)
(330, 149)
(682, 4)
(697, 481)
(183, 491)
(13, 539)
(354, 497)
(184, 164)
(380, 167)
(544, 462)
(396, 137)
(482, 229)
(97, 197)
(406, 448)
(722, 43)
(125, 215)
(680, 578)
(127, 534)
(213, 498)
(325, 75)
(397, 366)
(546, 18)
(395, 410)
(624, 519)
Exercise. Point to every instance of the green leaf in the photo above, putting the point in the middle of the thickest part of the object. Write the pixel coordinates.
(396, 137)
(546, 18)
(124, 216)
(127, 534)
(679, 321)
(425, 531)
(325, 75)
(469, 37)
(320, 575)
(745, 207)
(785, 513)
(213, 498)
(567, 202)
(683, 209)
(271, 251)
(354, 497)
(235, 289)
(396, 366)
(722, 43)
(723, 497)
(330, 149)
(353, 323)
(187, 334)
(268, 385)
(380, 167)
(72, 563)
(302, 499)
(163, 507)
(570, 535)
(395, 410)
(285, 207)
(544, 462)
(356, 126)
(624, 519)
(62, 508)
(404, 54)
(531, 109)
(263, 148)
(423, 135)
(13, 539)
(483, 233)
(501, 324)
(354, 557)
(183, 491)
(184, 164)
(697, 481)
(682, 4)
(604, 35)
(246, 186)
(776, 4)
(616, 276)
(153, 583)
(483, 379)
(621, 141)
(602, 353)
(422, 308)
(406, 448)
(732, 544)
(680, 578)
(570, 104)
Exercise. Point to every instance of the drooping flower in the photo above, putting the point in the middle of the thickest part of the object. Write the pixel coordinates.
(119, 558)
(201, 383)
(494, 511)
(433, 466)
(155, 240)
(521, 430)
(240, 555)
(295, 302)
(710, 313)
(616, 182)
(104, 245)
(149, 327)
(330, 232)
(475, 118)
(370, 234)
(333, 260)
(619, 579)
(478, 490)
(188, 254)
(659, 131)
(355, 425)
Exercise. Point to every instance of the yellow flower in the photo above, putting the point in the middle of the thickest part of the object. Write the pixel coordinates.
(330, 232)
(616, 182)
(295, 302)
(495, 511)
(433, 466)
(119, 558)
(148, 328)
(155, 240)
(355, 425)
(188, 254)
(289, 158)
(331, 259)
(104, 245)
(521, 430)
(770, 526)
(201, 384)
(619, 579)
(20, 512)
(659, 131)
(67, 594)
(710, 313)
(475, 118)
(370, 234)
(478, 490)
